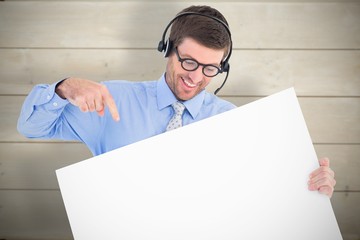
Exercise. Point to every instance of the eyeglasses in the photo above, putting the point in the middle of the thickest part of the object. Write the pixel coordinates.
(190, 64)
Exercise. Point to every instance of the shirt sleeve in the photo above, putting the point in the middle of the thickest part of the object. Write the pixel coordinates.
(40, 114)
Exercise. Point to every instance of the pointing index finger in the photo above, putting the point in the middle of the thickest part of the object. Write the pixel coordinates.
(109, 101)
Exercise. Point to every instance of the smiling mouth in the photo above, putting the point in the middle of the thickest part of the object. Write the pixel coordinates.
(188, 84)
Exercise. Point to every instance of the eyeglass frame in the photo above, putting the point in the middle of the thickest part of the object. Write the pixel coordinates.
(182, 60)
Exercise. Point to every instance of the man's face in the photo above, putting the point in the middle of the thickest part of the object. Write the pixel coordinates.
(187, 84)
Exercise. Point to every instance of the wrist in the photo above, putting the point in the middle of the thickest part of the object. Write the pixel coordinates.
(60, 88)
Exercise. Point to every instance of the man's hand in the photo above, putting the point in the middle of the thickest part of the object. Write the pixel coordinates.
(322, 179)
(88, 95)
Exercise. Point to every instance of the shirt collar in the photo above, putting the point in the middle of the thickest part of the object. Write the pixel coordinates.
(165, 98)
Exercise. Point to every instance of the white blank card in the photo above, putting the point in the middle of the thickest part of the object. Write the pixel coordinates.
(238, 175)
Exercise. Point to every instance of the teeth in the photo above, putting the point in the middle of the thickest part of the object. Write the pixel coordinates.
(189, 84)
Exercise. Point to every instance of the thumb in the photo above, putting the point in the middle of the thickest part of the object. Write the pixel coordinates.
(324, 162)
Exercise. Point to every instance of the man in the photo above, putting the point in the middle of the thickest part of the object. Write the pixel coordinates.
(116, 113)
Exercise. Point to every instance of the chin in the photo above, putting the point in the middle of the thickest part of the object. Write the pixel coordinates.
(186, 96)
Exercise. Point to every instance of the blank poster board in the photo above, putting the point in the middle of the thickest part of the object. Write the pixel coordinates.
(238, 175)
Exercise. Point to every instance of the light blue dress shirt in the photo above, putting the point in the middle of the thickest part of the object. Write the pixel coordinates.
(144, 108)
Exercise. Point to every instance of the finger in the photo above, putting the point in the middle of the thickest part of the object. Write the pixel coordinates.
(99, 106)
(83, 107)
(109, 101)
(91, 105)
(101, 113)
(326, 190)
(324, 162)
(323, 182)
(320, 170)
(321, 173)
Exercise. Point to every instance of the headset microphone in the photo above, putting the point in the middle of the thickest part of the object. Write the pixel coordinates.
(166, 46)
(227, 74)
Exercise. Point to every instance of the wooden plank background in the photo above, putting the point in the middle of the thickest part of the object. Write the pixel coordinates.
(311, 45)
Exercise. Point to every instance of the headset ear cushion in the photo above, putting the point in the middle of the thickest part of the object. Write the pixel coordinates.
(161, 46)
(169, 46)
(225, 66)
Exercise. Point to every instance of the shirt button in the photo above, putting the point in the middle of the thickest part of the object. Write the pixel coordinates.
(48, 97)
(55, 104)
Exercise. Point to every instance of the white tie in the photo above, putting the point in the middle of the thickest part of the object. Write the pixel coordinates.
(176, 120)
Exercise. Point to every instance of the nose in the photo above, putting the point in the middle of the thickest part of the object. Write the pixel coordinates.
(197, 75)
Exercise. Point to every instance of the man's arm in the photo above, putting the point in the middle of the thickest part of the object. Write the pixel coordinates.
(41, 114)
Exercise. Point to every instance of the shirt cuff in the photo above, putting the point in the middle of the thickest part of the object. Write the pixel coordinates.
(54, 101)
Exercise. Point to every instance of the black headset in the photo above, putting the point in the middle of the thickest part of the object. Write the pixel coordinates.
(167, 45)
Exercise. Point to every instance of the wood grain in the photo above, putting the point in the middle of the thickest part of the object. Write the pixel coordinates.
(41, 215)
(261, 25)
(253, 73)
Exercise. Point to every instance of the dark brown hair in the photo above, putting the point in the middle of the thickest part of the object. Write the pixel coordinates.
(204, 30)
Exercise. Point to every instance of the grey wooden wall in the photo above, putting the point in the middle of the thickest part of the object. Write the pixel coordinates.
(311, 45)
